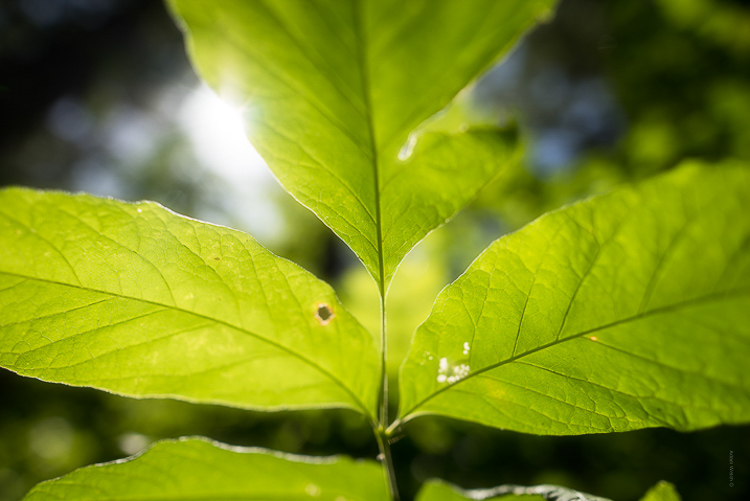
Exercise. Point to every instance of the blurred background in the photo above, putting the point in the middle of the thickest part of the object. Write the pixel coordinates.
(99, 97)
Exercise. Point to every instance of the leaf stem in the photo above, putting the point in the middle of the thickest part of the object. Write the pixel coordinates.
(387, 461)
(380, 432)
(383, 366)
(393, 427)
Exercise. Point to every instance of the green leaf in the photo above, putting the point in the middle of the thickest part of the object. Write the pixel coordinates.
(626, 311)
(200, 469)
(663, 491)
(439, 491)
(331, 91)
(137, 300)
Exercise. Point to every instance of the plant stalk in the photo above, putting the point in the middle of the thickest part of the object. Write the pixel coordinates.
(387, 461)
(380, 432)
(383, 367)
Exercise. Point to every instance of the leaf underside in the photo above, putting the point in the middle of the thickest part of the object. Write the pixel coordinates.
(440, 491)
(201, 470)
(435, 490)
(331, 91)
(136, 300)
(625, 311)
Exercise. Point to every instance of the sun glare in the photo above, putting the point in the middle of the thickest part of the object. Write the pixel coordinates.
(218, 136)
(220, 144)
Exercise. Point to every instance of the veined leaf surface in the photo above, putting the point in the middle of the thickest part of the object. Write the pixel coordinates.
(137, 300)
(199, 469)
(332, 89)
(626, 311)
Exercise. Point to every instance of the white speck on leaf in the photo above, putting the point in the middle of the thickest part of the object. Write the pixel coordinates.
(408, 148)
(451, 373)
(443, 364)
(425, 357)
(467, 347)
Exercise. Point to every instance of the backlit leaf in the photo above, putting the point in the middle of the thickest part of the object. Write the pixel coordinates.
(332, 91)
(663, 491)
(137, 300)
(626, 311)
(201, 470)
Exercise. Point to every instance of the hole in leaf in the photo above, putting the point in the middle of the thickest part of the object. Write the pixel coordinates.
(323, 314)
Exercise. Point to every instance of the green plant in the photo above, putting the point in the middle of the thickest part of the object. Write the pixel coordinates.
(626, 311)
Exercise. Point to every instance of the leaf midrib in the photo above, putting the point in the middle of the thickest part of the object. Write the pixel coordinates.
(676, 306)
(243, 330)
(365, 76)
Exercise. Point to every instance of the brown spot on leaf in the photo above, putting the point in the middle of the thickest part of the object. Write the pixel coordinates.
(323, 314)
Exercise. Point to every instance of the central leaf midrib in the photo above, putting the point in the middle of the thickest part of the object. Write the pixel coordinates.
(255, 335)
(366, 94)
(639, 316)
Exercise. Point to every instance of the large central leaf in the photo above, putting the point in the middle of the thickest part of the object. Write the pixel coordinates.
(137, 300)
(332, 89)
(626, 311)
